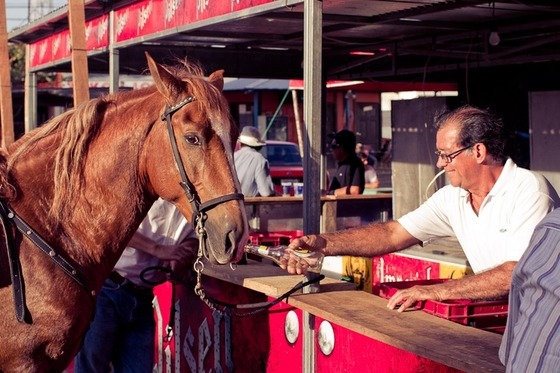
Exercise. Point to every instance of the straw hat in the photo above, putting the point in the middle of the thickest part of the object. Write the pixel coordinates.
(251, 136)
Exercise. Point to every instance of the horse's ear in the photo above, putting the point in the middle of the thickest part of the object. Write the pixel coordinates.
(217, 79)
(165, 82)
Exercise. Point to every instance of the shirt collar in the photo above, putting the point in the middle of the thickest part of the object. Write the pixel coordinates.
(501, 185)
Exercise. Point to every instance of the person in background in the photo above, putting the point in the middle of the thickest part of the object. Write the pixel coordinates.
(349, 176)
(491, 205)
(252, 167)
(531, 342)
(122, 333)
(370, 176)
(370, 157)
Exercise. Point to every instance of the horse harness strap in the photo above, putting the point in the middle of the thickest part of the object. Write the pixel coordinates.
(7, 213)
(199, 210)
(197, 207)
(15, 268)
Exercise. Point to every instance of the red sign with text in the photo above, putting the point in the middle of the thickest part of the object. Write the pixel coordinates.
(137, 20)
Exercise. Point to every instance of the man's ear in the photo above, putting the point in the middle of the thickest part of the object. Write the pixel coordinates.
(480, 151)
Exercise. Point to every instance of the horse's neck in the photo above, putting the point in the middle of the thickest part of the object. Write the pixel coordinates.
(100, 220)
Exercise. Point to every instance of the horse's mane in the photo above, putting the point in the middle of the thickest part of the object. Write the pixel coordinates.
(78, 127)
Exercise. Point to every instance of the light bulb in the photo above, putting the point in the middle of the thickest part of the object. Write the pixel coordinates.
(494, 38)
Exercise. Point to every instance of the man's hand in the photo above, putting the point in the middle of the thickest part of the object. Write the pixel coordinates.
(294, 264)
(180, 258)
(408, 297)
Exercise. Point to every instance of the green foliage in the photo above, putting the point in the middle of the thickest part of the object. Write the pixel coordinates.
(16, 54)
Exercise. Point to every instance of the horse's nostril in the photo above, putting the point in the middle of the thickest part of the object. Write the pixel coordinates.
(230, 242)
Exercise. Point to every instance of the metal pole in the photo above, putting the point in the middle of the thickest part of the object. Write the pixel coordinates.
(312, 89)
(30, 94)
(6, 108)
(114, 70)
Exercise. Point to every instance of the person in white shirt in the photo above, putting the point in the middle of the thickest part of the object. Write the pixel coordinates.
(491, 205)
(122, 332)
(372, 182)
(252, 167)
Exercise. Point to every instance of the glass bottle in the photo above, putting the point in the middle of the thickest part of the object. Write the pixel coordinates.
(311, 261)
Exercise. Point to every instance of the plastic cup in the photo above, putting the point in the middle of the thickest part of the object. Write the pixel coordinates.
(298, 189)
(286, 188)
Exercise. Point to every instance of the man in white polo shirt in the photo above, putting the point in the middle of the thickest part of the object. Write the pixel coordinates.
(492, 206)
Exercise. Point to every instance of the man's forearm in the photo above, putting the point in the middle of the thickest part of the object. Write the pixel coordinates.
(143, 243)
(370, 240)
(491, 284)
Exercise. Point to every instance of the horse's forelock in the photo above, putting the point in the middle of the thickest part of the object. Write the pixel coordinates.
(211, 102)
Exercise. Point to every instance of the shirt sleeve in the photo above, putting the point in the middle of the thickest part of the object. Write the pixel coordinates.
(430, 220)
(531, 340)
(264, 180)
(370, 175)
(529, 210)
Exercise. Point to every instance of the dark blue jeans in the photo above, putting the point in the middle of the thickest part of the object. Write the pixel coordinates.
(121, 334)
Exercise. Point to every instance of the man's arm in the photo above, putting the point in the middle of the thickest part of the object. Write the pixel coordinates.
(264, 181)
(367, 241)
(179, 252)
(352, 189)
(179, 257)
(494, 283)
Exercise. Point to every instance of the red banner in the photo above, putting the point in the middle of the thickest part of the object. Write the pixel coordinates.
(58, 46)
(140, 19)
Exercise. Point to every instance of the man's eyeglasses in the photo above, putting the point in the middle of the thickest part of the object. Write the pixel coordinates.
(336, 146)
(448, 158)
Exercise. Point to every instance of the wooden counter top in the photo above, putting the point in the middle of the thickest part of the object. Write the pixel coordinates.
(276, 199)
(454, 345)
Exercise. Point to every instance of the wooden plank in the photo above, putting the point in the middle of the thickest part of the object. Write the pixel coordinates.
(6, 109)
(458, 346)
(276, 199)
(329, 216)
(80, 83)
(454, 345)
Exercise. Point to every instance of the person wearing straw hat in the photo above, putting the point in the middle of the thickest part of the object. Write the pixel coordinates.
(252, 167)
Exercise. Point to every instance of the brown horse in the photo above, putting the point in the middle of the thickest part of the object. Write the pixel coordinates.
(85, 180)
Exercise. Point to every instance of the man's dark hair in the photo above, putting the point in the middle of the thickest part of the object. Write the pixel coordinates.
(477, 126)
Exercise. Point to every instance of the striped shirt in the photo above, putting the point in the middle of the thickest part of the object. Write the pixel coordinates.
(531, 342)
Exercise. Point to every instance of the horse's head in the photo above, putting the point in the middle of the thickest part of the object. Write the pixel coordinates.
(197, 135)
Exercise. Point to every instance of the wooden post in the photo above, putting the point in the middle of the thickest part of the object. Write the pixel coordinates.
(6, 109)
(298, 121)
(76, 18)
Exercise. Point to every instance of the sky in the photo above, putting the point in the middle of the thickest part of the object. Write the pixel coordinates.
(17, 11)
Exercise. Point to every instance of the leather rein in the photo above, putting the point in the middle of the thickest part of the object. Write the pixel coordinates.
(9, 216)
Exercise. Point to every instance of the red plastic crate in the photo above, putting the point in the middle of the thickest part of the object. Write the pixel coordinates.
(268, 239)
(487, 315)
(274, 238)
(290, 234)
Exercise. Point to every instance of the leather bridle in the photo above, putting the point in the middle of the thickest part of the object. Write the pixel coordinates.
(199, 209)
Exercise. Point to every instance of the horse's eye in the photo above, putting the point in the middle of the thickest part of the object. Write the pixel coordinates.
(192, 139)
